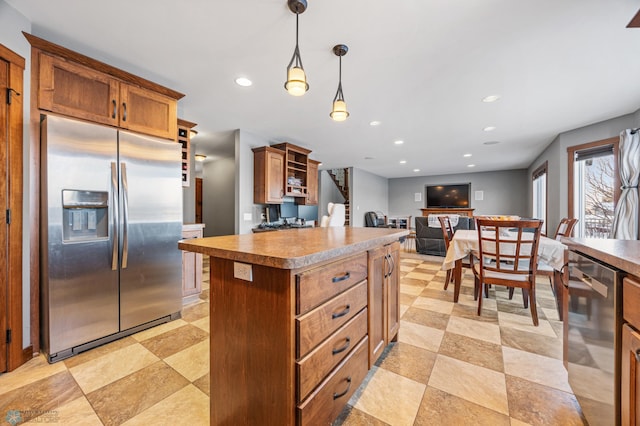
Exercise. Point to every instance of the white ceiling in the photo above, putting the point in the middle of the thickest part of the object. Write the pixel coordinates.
(421, 67)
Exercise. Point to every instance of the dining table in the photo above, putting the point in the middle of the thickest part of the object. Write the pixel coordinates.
(551, 252)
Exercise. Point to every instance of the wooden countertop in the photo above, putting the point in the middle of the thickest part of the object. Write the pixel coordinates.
(293, 248)
(622, 254)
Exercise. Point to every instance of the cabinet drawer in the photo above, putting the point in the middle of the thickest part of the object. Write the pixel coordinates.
(631, 301)
(315, 366)
(186, 235)
(324, 405)
(315, 326)
(317, 285)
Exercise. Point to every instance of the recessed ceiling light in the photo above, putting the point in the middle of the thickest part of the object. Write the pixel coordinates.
(491, 98)
(368, 158)
(467, 155)
(403, 161)
(416, 170)
(243, 81)
(471, 165)
(491, 143)
(398, 142)
(375, 123)
(489, 128)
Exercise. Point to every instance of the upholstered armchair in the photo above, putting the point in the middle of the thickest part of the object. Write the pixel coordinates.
(336, 215)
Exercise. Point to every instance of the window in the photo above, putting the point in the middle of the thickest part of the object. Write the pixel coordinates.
(539, 179)
(593, 187)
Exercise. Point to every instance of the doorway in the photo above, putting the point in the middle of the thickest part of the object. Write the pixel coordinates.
(198, 200)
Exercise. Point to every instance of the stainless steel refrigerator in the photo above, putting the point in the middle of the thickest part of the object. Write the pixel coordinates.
(111, 217)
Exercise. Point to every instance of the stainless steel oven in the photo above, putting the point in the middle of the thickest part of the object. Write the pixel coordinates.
(594, 321)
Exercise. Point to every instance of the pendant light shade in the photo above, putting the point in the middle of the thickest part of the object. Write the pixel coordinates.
(339, 111)
(296, 83)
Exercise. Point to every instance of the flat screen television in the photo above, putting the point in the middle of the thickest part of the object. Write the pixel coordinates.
(448, 196)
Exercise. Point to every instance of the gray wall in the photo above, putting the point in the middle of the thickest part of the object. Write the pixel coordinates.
(369, 192)
(218, 196)
(556, 156)
(244, 182)
(505, 192)
(12, 24)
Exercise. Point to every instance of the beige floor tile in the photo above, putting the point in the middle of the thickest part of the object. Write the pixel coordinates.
(77, 412)
(413, 290)
(111, 367)
(530, 342)
(192, 362)
(479, 385)
(403, 309)
(477, 330)
(174, 341)
(406, 268)
(99, 351)
(351, 416)
(536, 368)
(420, 336)
(420, 275)
(441, 306)
(540, 405)
(473, 351)
(144, 388)
(408, 361)
(202, 323)
(391, 398)
(159, 329)
(525, 323)
(428, 318)
(488, 304)
(442, 408)
(188, 407)
(34, 370)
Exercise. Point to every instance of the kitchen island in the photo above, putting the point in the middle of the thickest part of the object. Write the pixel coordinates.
(298, 317)
(590, 322)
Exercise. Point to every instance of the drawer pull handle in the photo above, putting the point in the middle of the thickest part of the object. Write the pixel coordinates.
(346, 276)
(638, 355)
(341, 394)
(341, 314)
(344, 348)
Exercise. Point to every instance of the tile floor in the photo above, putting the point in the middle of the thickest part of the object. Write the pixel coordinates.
(449, 367)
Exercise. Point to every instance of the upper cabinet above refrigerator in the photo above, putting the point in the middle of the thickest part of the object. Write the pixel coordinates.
(78, 86)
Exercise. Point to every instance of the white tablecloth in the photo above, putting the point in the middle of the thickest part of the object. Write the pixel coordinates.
(464, 241)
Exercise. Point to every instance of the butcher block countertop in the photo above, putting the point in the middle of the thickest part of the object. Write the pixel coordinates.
(294, 248)
(622, 254)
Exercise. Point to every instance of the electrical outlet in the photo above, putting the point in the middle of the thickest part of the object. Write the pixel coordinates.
(242, 271)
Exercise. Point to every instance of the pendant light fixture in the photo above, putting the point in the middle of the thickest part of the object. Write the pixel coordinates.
(339, 111)
(296, 83)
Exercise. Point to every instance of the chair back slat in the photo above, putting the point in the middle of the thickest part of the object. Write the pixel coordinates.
(565, 228)
(509, 246)
(447, 230)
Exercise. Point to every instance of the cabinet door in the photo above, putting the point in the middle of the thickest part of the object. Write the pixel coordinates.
(148, 112)
(630, 377)
(268, 175)
(393, 292)
(312, 184)
(378, 264)
(77, 91)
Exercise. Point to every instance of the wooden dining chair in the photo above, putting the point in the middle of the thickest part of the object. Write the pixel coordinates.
(447, 235)
(565, 228)
(508, 256)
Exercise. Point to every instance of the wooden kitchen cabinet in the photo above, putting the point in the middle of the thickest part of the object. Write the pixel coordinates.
(191, 265)
(630, 362)
(384, 298)
(77, 91)
(75, 85)
(312, 184)
(295, 170)
(268, 175)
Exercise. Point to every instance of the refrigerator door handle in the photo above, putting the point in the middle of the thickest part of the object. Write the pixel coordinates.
(114, 210)
(125, 215)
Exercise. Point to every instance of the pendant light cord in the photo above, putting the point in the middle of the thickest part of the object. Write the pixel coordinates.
(296, 52)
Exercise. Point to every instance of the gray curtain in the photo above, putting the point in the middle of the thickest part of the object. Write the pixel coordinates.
(625, 221)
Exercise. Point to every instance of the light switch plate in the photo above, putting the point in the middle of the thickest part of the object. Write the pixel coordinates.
(479, 195)
(247, 216)
(242, 271)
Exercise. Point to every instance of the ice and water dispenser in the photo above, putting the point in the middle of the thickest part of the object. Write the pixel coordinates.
(85, 215)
